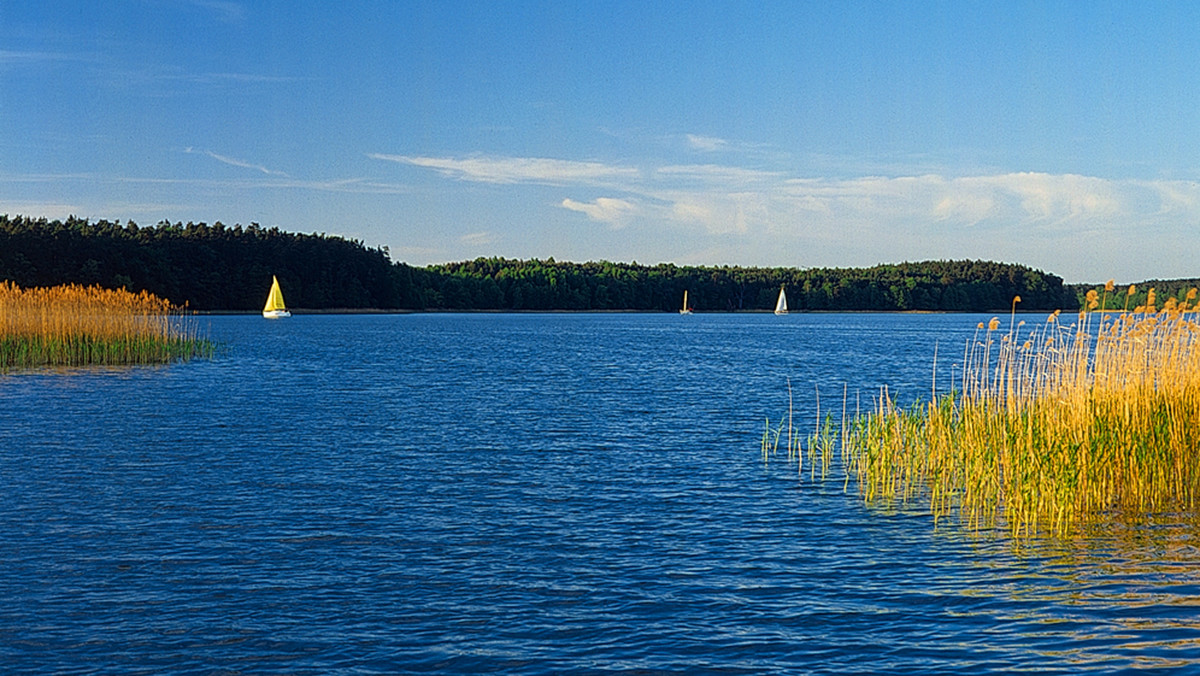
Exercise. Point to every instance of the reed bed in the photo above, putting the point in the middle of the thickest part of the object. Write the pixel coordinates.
(86, 326)
(1046, 430)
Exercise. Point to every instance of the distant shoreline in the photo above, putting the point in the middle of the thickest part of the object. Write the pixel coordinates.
(377, 311)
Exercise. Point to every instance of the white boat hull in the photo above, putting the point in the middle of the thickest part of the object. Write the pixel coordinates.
(276, 314)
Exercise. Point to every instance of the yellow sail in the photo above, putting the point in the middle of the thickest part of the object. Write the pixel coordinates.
(275, 298)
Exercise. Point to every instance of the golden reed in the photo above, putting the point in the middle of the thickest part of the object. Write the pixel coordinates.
(1048, 429)
(79, 326)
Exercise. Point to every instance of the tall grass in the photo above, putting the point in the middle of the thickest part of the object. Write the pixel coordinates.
(80, 326)
(1047, 429)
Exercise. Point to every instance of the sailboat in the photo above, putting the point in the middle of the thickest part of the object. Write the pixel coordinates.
(781, 304)
(275, 307)
(685, 310)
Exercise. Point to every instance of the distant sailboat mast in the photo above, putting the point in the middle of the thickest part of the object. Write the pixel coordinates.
(781, 304)
(685, 310)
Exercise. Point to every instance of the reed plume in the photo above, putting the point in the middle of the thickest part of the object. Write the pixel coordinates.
(1048, 430)
(74, 325)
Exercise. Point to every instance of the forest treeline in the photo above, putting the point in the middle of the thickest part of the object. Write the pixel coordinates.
(218, 267)
(208, 267)
(1121, 298)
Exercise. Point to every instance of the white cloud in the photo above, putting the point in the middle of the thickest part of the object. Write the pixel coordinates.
(706, 143)
(1022, 198)
(737, 199)
(1055, 197)
(1070, 224)
(604, 209)
(51, 210)
(234, 162)
(234, 78)
(517, 169)
(686, 210)
(479, 238)
(1175, 196)
(15, 57)
(719, 174)
(724, 213)
(965, 207)
(278, 181)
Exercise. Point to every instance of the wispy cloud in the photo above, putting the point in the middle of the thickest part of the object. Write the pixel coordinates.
(234, 78)
(749, 199)
(10, 56)
(706, 143)
(1024, 216)
(1013, 198)
(1033, 196)
(354, 186)
(222, 10)
(604, 209)
(729, 148)
(234, 162)
(715, 173)
(35, 58)
(479, 238)
(116, 210)
(720, 191)
(52, 210)
(357, 186)
(517, 169)
(124, 76)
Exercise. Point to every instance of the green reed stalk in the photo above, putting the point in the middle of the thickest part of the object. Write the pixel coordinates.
(85, 326)
(1065, 428)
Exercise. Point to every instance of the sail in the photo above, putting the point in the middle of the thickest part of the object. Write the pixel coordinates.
(275, 298)
(781, 304)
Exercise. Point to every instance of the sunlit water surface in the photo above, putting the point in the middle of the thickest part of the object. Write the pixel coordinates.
(528, 494)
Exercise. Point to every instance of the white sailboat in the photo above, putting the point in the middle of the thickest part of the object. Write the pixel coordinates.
(781, 304)
(685, 310)
(275, 307)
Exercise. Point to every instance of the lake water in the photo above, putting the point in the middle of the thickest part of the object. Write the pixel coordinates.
(565, 493)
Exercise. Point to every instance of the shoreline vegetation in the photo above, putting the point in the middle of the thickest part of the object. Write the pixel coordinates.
(218, 268)
(77, 326)
(228, 268)
(1047, 430)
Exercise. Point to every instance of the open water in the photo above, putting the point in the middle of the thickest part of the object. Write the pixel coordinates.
(530, 494)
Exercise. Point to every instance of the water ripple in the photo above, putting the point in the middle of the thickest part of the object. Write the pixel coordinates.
(527, 494)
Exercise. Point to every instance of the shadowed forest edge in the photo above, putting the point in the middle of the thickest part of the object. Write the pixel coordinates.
(228, 268)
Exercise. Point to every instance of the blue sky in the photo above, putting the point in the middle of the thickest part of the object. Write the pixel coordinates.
(1065, 136)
